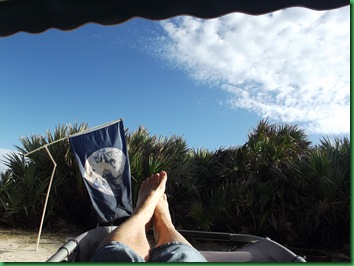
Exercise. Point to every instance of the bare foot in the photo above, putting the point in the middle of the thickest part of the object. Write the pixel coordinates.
(132, 232)
(149, 195)
(164, 230)
(162, 219)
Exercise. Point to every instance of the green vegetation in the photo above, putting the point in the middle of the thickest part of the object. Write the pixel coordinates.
(275, 185)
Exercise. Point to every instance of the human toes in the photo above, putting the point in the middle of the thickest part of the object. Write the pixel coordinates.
(163, 178)
(163, 174)
(157, 178)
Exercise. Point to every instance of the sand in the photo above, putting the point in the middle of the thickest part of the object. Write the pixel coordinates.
(20, 245)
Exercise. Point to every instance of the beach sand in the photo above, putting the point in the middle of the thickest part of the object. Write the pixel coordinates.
(20, 245)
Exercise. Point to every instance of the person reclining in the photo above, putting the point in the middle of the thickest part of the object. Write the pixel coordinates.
(128, 242)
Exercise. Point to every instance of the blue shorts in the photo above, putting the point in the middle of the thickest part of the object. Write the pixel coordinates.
(170, 252)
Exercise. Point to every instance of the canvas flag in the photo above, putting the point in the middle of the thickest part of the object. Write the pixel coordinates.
(102, 157)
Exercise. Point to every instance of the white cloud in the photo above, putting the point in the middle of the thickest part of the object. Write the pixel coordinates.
(290, 65)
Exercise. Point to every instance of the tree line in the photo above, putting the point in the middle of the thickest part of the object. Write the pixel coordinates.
(277, 184)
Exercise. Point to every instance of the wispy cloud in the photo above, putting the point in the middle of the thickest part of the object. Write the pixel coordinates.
(291, 65)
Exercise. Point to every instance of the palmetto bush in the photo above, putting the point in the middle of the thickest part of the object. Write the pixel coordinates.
(322, 204)
(270, 146)
(274, 185)
(152, 154)
(27, 182)
(21, 195)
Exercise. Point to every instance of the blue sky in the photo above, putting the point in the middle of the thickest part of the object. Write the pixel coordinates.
(210, 81)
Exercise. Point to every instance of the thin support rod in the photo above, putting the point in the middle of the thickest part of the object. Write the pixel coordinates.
(74, 135)
(47, 196)
(95, 128)
(45, 145)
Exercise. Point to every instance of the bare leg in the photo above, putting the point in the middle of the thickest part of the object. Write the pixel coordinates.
(164, 230)
(132, 232)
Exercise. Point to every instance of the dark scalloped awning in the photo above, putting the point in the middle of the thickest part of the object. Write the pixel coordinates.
(35, 16)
